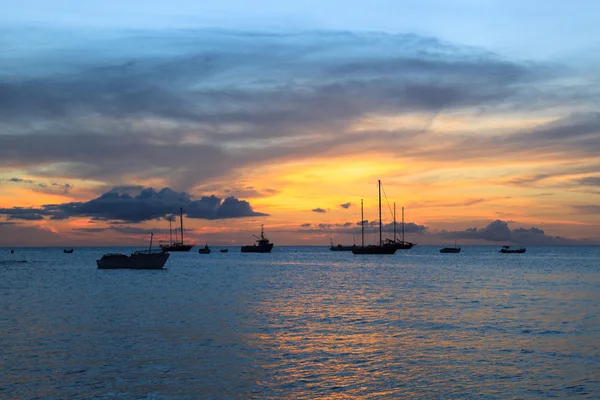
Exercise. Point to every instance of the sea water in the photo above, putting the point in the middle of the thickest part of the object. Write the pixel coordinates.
(302, 323)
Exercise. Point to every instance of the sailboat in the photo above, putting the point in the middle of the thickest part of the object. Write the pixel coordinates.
(372, 249)
(400, 244)
(175, 245)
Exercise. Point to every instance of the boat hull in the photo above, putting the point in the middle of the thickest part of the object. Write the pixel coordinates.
(374, 250)
(134, 261)
(509, 251)
(176, 247)
(450, 250)
(204, 251)
(399, 244)
(339, 247)
(266, 248)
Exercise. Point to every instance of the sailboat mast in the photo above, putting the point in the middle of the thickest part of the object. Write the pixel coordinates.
(362, 224)
(379, 187)
(394, 222)
(181, 219)
(403, 224)
(170, 230)
(150, 248)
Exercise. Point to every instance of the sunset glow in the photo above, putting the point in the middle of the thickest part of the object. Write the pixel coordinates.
(295, 126)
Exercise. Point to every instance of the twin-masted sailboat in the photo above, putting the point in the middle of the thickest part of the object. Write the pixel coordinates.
(176, 245)
(382, 248)
(400, 244)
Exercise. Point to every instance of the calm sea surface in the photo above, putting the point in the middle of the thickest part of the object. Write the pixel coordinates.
(302, 323)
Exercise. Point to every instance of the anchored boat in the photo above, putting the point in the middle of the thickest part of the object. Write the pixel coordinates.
(372, 249)
(508, 250)
(142, 259)
(175, 245)
(262, 244)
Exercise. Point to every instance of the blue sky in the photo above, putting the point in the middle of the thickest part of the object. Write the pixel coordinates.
(525, 29)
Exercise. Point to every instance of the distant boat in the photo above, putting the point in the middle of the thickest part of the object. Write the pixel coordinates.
(450, 249)
(372, 249)
(175, 245)
(339, 247)
(224, 250)
(400, 244)
(262, 244)
(204, 250)
(68, 251)
(508, 250)
(12, 251)
(142, 259)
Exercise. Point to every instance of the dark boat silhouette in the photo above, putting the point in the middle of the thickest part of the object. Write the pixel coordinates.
(339, 247)
(175, 245)
(204, 250)
(450, 249)
(67, 251)
(372, 249)
(508, 250)
(224, 250)
(262, 244)
(142, 259)
(400, 244)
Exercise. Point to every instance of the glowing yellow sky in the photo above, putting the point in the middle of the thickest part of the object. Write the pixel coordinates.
(451, 195)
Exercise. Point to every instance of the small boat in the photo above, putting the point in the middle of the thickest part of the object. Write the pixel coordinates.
(175, 245)
(450, 249)
(508, 250)
(339, 247)
(12, 251)
(204, 250)
(224, 250)
(67, 251)
(372, 249)
(262, 244)
(141, 259)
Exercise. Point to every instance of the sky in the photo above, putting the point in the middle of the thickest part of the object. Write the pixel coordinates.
(480, 118)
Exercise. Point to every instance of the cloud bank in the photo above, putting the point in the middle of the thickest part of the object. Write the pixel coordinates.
(148, 204)
(204, 103)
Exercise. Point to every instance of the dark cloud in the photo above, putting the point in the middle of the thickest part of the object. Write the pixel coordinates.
(346, 205)
(148, 204)
(371, 227)
(19, 180)
(498, 231)
(43, 187)
(128, 230)
(319, 210)
(588, 209)
(27, 217)
(572, 137)
(210, 102)
(589, 181)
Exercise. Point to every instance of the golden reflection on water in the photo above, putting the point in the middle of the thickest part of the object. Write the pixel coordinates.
(342, 337)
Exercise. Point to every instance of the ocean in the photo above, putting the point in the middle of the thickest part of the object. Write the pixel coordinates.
(302, 323)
